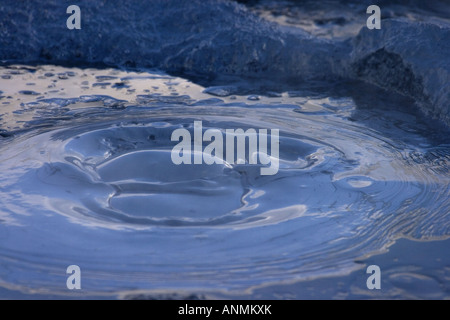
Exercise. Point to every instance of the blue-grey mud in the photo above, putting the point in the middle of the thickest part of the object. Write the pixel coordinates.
(86, 176)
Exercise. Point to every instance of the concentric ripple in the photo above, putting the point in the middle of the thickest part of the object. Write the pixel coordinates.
(103, 193)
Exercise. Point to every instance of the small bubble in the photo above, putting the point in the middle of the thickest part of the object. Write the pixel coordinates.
(253, 98)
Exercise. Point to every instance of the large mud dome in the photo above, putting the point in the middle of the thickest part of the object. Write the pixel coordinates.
(85, 150)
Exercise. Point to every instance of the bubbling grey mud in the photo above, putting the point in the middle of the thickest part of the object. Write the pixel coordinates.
(87, 179)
